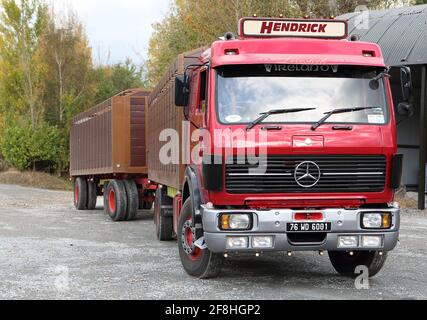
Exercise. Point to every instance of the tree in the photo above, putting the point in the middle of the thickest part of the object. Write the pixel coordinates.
(111, 80)
(65, 52)
(195, 23)
(21, 26)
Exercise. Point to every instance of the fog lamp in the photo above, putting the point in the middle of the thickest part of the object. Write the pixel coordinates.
(235, 222)
(372, 241)
(376, 220)
(237, 242)
(261, 242)
(348, 241)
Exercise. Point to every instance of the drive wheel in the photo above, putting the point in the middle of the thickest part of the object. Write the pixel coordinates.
(346, 264)
(80, 193)
(116, 202)
(162, 219)
(202, 264)
(92, 191)
(132, 200)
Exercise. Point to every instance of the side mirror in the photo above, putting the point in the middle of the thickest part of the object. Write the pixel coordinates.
(406, 80)
(405, 109)
(181, 91)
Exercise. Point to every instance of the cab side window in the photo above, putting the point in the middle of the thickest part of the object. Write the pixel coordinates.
(202, 105)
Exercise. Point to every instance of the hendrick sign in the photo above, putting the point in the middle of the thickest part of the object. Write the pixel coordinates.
(326, 29)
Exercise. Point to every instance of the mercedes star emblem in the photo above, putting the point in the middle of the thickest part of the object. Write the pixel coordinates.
(307, 174)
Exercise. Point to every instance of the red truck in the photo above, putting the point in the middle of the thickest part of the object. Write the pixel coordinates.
(281, 140)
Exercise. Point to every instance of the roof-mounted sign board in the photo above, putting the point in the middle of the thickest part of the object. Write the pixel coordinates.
(268, 27)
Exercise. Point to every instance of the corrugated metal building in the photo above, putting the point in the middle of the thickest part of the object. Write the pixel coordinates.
(402, 35)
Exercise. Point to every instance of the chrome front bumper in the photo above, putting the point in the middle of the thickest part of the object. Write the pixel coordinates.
(274, 222)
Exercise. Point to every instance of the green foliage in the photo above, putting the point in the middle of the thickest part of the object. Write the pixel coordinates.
(22, 23)
(24, 146)
(112, 80)
(67, 86)
(46, 78)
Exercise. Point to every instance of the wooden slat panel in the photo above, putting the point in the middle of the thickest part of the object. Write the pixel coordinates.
(163, 114)
(105, 136)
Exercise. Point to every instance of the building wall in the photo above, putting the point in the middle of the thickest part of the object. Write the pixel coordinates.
(408, 130)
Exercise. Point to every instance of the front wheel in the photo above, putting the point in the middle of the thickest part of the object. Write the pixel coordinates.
(202, 264)
(346, 264)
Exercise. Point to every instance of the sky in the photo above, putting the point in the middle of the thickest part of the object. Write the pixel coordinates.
(117, 29)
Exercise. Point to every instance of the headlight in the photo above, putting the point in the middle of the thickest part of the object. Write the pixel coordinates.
(376, 220)
(235, 222)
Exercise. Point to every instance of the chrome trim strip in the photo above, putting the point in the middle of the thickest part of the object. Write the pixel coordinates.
(354, 174)
(290, 174)
(259, 174)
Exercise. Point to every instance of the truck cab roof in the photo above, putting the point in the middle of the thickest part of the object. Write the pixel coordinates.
(295, 51)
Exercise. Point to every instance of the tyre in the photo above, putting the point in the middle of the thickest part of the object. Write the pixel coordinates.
(80, 193)
(202, 264)
(92, 195)
(162, 219)
(116, 200)
(132, 200)
(105, 195)
(346, 264)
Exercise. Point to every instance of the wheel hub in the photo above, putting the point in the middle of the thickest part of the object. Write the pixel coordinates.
(188, 238)
(112, 201)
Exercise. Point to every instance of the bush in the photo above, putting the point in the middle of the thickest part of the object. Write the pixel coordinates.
(3, 165)
(24, 147)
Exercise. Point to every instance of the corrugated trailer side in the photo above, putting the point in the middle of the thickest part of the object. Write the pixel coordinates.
(110, 138)
(163, 114)
(108, 156)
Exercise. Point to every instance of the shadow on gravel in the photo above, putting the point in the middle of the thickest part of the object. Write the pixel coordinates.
(277, 269)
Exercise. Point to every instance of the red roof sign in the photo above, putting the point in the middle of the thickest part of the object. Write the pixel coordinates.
(325, 29)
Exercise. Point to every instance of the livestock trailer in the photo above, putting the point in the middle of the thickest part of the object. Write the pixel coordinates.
(108, 156)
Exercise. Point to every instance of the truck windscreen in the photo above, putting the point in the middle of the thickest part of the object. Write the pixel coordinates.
(244, 92)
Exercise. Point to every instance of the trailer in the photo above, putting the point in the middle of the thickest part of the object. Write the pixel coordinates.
(108, 156)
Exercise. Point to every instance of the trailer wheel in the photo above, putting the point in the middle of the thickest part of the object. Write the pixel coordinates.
(92, 195)
(346, 264)
(202, 264)
(80, 193)
(132, 200)
(163, 221)
(116, 200)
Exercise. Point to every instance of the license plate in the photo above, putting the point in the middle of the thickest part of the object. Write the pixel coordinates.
(309, 227)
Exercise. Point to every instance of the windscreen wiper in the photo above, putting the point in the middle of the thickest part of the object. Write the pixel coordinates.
(338, 111)
(265, 115)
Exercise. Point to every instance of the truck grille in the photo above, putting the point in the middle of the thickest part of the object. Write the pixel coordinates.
(279, 174)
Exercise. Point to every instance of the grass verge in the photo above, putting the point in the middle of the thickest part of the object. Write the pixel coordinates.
(39, 180)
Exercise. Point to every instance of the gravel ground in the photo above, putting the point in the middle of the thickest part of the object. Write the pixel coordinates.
(50, 251)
